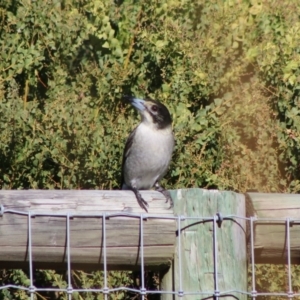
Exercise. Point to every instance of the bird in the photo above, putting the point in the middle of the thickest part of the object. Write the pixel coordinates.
(148, 150)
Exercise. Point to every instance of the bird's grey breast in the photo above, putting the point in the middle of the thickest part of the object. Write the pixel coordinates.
(149, 156)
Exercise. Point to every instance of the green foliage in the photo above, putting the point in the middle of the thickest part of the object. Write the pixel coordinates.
(228, 71)
(274, 278)
(229, 76)
(53, 279)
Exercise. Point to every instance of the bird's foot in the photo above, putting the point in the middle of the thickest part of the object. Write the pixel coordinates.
(166, 193)
(143, 204)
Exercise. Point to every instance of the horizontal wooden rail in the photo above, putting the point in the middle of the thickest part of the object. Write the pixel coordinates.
(270, 230)
(49, 209)
(49, 230)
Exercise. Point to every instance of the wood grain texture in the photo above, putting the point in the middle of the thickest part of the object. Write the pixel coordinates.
(271, 235)
(197, 245)
(49, 234)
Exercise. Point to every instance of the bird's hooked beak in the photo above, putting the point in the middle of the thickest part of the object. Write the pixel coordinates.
(139, 104)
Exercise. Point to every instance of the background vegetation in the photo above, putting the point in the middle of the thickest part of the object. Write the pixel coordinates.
(227, 69)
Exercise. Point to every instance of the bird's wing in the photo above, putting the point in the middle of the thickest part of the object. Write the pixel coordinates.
(126, 153)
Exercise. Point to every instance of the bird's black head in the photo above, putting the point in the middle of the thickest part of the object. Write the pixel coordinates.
(153, 112)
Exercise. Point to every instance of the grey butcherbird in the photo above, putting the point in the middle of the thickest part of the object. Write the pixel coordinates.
(148, 150)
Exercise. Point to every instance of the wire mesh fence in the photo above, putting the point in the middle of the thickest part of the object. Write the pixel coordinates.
(179, 290)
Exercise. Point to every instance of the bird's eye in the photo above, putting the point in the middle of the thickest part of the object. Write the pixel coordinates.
(154, 108)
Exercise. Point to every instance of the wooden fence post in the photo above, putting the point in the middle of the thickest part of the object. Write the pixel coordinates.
(197, 259)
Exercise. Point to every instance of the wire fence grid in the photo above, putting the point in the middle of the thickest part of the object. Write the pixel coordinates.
(217, 220)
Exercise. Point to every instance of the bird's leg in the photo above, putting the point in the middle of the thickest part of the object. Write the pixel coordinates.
(143, 204)
(166, 193)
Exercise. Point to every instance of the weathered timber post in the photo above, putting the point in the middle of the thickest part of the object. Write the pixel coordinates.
(197, 259)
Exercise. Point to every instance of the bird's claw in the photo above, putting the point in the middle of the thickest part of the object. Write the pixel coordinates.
(165, 193)
(142, 203)
(169, 199)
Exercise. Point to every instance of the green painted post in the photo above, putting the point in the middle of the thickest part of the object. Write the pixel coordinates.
(197, 259)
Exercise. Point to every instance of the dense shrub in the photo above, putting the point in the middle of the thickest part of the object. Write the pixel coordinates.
(228, 71)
